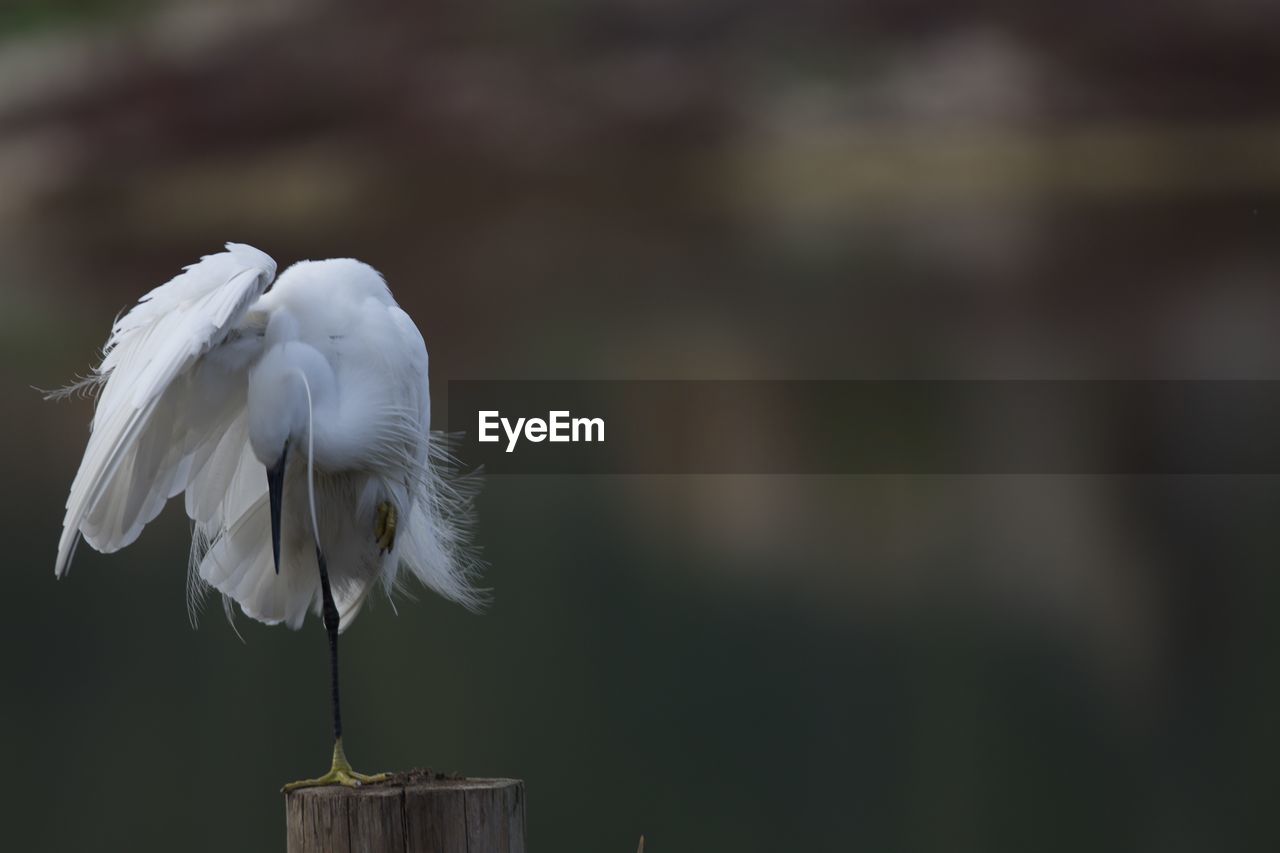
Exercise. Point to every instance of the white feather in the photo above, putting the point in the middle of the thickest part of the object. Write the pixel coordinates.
(123, 479)
(201, 386)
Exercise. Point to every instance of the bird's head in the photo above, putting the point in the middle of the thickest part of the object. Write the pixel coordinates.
(287, 386)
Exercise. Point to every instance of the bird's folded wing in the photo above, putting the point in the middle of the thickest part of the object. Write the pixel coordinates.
(173, 383)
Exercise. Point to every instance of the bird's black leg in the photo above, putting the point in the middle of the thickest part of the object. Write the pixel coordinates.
(340, 773)
(330, 613)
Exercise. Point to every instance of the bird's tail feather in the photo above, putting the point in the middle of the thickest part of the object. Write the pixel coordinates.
(434, 544)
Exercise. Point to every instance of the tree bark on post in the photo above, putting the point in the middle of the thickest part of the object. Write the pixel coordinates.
(408, 815)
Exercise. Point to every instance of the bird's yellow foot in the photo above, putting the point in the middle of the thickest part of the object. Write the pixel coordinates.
(384, 526)
(339, 774)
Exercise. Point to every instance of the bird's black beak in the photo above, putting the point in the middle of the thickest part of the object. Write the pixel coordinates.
(275, 488)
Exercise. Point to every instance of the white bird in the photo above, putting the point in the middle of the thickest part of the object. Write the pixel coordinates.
(295, 418)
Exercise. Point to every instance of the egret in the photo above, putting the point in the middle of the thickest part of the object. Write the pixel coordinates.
(295, 418)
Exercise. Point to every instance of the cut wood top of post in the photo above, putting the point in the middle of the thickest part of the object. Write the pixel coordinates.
(437, 782)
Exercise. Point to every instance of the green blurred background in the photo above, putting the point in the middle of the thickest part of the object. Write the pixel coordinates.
(627, 189)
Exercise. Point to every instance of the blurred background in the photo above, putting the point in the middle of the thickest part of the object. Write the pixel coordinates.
(627, 189)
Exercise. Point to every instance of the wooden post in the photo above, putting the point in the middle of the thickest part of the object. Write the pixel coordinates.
(409, 814)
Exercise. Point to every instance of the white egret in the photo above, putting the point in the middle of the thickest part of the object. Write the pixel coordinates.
(296, 421)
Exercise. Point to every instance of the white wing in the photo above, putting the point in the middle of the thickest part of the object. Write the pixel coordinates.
(174, 384)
